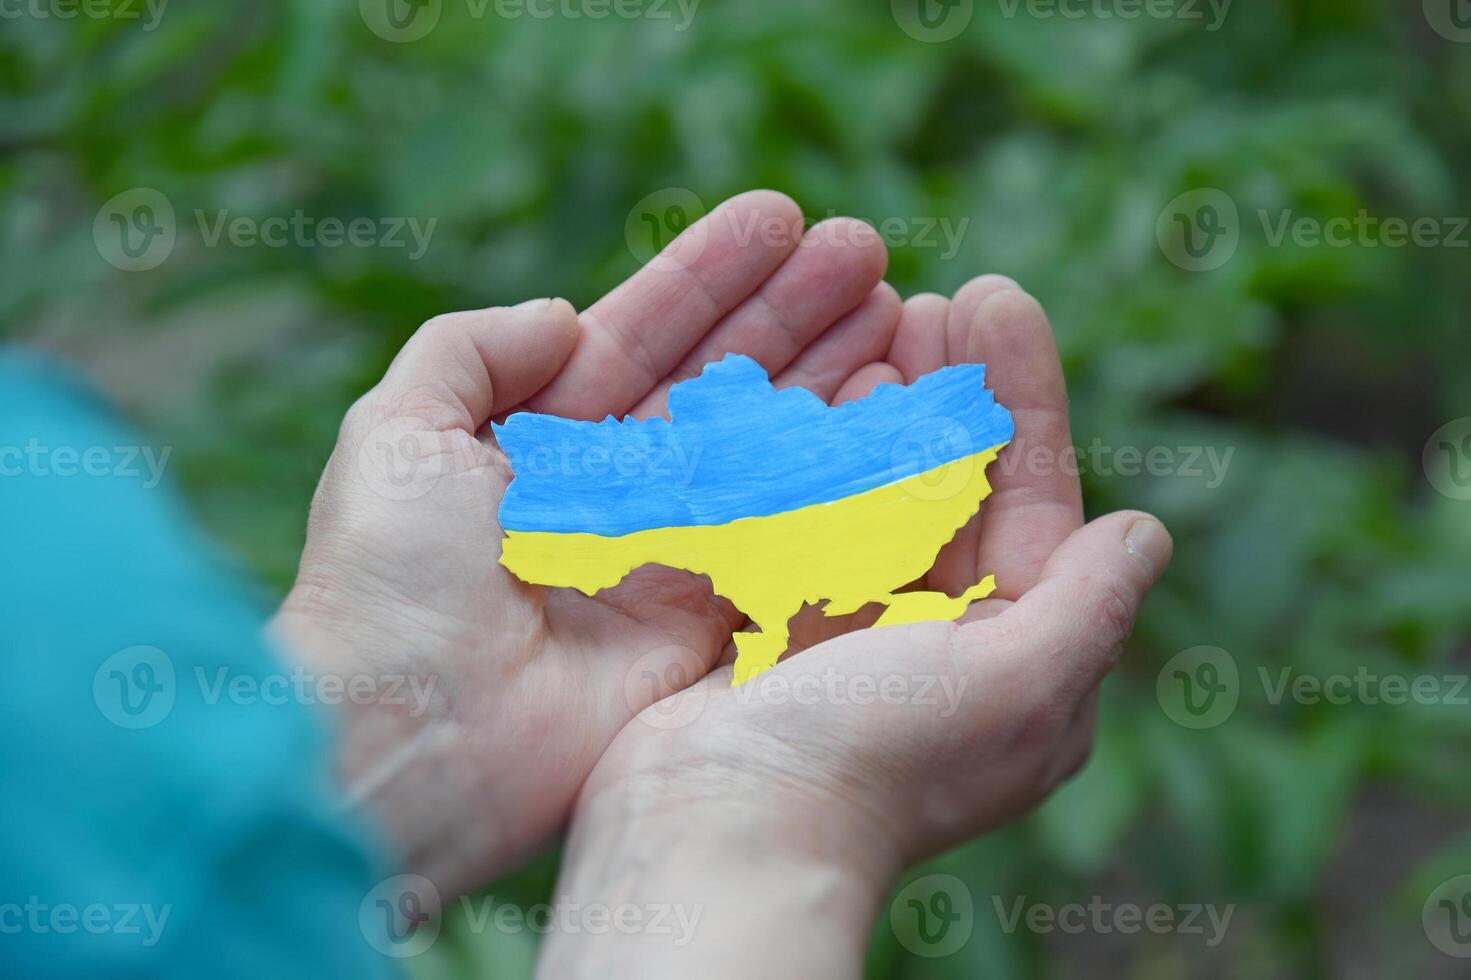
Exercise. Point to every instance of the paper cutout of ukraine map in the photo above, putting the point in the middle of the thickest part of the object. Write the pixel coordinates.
(781, 499)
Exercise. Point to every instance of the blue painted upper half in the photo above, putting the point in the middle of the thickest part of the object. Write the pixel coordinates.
(737, 448)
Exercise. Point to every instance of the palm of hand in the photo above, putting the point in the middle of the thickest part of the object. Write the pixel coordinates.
(401, 572)
(880, 706)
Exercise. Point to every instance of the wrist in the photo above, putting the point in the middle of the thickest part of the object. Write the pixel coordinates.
(396, 750)
(765, 884)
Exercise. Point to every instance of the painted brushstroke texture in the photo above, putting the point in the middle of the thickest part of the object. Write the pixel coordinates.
(838, 507)
(849, 552)
(736, 448)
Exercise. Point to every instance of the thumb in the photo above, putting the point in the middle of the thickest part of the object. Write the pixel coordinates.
(1074, 621)
(464, 368)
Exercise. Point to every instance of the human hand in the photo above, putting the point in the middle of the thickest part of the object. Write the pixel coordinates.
(806, 806)
(400, 575)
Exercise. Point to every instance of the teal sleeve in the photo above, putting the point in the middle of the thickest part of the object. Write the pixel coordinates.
(154, 822)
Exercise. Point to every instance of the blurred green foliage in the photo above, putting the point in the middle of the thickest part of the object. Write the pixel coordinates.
(1061, 141)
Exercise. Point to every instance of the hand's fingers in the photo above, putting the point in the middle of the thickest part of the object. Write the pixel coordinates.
(861, 337)
(955, 567)
(865, 379)
(959, 329)
(1036, 501)
(640, 331)
(678, 602)
(837, 266)
(919, 345)
(1070, 627)
(459, 369)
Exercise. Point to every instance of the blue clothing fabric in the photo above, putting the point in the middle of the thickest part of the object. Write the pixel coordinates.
(151, 822)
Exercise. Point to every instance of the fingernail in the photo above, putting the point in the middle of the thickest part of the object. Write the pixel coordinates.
(533, 305)
(1150, 544)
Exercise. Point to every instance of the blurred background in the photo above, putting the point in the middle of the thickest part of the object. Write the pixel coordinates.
(1247, 221)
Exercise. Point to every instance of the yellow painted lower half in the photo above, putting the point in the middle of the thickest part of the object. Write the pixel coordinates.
(849, 552)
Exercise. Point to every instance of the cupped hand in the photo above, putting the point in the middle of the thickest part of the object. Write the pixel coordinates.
(400, 589)
(882, 746)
